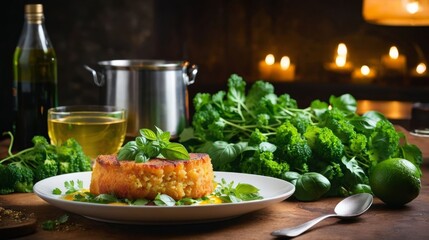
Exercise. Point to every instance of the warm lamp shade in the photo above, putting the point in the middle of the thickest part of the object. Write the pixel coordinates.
(396, 12)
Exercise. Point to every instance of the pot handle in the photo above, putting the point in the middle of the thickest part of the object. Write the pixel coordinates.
(189, 73)
(99, 81)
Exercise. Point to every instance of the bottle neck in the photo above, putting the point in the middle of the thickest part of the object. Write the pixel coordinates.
(34, 34)
(34, 18)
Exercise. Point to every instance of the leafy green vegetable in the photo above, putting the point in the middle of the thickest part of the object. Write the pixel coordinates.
(51, 225)
(150, 145)
(164, 200)
(20, 171)
(260, 132)
(139, 201)
(57, 191)
(310, 186)
(242, 192)
(72, 187)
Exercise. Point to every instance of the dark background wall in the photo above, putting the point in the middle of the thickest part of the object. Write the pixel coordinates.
(221, 37)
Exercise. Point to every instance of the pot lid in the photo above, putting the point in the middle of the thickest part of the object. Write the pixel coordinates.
(139, 64)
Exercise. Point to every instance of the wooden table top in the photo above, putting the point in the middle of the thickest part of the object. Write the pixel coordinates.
(380, 222)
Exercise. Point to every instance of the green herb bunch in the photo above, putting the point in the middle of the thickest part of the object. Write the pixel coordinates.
(152, 145)
(254, 130)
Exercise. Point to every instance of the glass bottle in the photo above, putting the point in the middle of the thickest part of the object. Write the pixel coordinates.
(35, 79)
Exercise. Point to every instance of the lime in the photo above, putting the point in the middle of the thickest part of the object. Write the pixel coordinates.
(395, 181)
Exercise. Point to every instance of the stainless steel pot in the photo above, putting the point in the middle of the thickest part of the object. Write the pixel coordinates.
(153, 91)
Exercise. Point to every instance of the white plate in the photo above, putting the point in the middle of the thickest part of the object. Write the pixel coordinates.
(272, 190)
(420, 133)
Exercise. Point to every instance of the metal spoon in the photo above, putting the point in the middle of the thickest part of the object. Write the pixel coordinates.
(349, 207)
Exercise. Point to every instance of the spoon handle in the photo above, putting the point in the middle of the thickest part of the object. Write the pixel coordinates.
(297, 230)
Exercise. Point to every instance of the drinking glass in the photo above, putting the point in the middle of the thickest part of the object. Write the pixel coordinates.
(98, 129)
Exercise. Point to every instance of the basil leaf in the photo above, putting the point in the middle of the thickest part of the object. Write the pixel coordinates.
(363, 124)
(357, 173)
(267, 147)
(244, 188)
(140, 201)
(164, 200)
(151, 145)
(151, 149)
(158, 131)
(141, 158)
(247, 192)
(141, 141)
(105, 198)
(345, 102)
(175, 151)
(147, 133)
(291, 176)
(311, 186)
(128, 151)
(319, 107)
(234, 199)
(186, 201)
(164, 137)
(223, 153)
(375, 116)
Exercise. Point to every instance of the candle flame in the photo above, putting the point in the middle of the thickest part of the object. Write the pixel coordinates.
(365, 70)
(285, 62)
(342, 50)
(421, 68)
(340, 61)
(269, 59)
(412, 6)
(393, 52)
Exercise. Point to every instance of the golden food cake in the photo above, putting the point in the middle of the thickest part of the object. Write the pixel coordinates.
(193, 178)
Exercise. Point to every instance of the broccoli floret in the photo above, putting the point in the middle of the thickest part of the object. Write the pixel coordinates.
(301, 121)
(263, 163)
(358, 144)
(49, 168)
(203, 121)
(257, 137)
(324, 144)
(297, 155)
(383, 141)
(19, 176)
(286, 134)
(293, 148)
(6, 183)
(336, 121)
(67, 160)
(18, 172)
(71, 158)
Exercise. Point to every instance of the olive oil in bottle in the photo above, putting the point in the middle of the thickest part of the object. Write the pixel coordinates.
(35, 79)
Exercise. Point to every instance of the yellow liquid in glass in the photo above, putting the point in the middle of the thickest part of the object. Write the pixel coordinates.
(96, 134)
